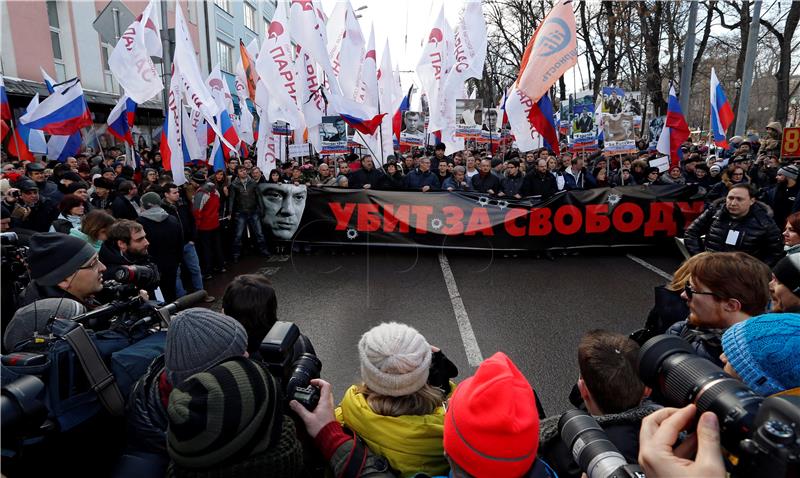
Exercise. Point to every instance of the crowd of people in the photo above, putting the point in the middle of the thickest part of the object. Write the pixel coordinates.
(210, 406)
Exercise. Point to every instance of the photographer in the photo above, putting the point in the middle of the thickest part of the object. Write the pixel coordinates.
(33, 211)
(398, 410)
(251, 301)
(125, 255)
(613, 393)
(197, 339)
(63, 266)
(723, 288)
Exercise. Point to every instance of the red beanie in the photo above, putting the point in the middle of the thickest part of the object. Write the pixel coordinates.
(492, 427)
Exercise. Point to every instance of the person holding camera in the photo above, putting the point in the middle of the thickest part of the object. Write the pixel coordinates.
(197, 339)
(612, 392)
(397, 411)
(62, 266)
(33, 211)
(723, 289)
(236, 408)
(124, 253)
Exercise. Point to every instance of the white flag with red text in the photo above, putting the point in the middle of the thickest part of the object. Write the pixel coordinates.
(130, 61)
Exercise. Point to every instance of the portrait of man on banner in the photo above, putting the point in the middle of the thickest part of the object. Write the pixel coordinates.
(491, 120)
(612, 100)
(333, 129)
(413, 123)
(282, 206)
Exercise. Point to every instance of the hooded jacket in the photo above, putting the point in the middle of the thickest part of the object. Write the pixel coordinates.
(243, 196)
(757, 233)
(206, 204)
(411, 443)
(165, 236)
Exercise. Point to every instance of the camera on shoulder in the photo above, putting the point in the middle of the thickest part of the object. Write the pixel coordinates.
(291, 358)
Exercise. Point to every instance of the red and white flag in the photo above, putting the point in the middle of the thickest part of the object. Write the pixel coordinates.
(276, 69)
(307, 27)
(130, 61)
(552, 51)
(518, 108)
(346, 48)
(469, 55)
(434, 65)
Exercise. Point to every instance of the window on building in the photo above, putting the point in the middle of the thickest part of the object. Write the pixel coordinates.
(225, 56)
(223, 4)
(55, 40)
(111, 85)
(250, 17)
(52, 14)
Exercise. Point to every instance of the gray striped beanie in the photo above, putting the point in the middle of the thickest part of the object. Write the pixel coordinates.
(228, 420)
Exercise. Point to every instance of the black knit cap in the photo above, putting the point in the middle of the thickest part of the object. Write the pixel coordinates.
(54, 256)
(787, 271)
(227, 421)
(101, 182)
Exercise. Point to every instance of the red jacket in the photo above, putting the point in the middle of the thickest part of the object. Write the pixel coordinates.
(207, 217)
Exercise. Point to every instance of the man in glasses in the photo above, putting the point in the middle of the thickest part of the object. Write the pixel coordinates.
(723, 289)
(737, 224)
(62, 266)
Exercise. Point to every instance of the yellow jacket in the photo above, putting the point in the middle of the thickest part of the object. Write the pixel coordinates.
(411, 443)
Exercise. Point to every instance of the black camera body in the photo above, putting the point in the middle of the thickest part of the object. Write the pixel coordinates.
(291, 358)
(141, 276)
(763, 434)
(591, 449)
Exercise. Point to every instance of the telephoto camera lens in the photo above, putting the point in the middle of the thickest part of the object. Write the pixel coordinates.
(306, 367)
(668, 363)
(590, 447)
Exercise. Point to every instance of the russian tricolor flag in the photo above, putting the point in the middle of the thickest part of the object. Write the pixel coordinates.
(541, 118)
(363, 126)
(397, 119)
(64, 112)
(166, 152)
(675, 131)
(5, 108)
(58, 146)
(721, 112)
(120, 119)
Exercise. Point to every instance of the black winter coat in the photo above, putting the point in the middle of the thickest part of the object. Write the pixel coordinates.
(183, 213)
(147, 418)
(166, 241)
(622, 430)
(361, 177)
(536, 184)
(41, 216)
(483, 184)
(758, 234)
(121, 208)
(511, 185)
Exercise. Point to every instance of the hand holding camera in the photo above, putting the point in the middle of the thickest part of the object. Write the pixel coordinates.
(316, 419)
(659, 433)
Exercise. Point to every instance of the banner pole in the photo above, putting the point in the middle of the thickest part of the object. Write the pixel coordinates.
(367, 145)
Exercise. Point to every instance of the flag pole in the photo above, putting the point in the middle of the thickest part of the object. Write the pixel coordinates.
(13, 132)
(96, 138)
(366, 143)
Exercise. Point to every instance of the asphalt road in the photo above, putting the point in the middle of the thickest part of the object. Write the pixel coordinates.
(532, 309)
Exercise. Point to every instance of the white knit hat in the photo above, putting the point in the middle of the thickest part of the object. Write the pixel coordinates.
(395, 359)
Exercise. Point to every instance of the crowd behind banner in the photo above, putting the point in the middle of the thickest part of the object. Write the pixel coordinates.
(93, 218)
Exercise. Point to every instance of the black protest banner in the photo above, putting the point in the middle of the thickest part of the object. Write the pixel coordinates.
(630, 215)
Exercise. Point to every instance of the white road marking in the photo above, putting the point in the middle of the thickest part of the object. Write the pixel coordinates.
(474, 356)
(649, 266)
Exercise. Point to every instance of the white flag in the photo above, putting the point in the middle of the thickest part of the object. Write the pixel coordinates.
(219, 89)
(368, 93)
(469, 55)
(197, 151)
(346, 48)
(434, 65)
(174, 122)
(131, 64)
(276, 69)
(36, 142)
(266, 150)
(311, 100)
(308, 30)
(194, 88)
(518, 106)
(390, 97)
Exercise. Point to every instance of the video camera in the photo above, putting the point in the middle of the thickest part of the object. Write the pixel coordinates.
(291, 358)
(591, 449)
(14, 259)
(141, 276)
(761, 433)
